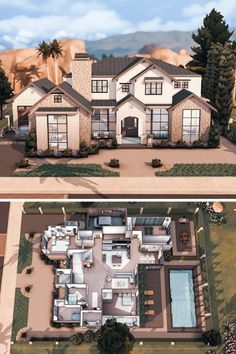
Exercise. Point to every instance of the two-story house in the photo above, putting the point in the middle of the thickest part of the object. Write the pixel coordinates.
(125, 98)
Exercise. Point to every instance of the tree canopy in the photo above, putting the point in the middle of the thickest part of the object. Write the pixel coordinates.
(115, 338)
(214, 30)
(5, 90)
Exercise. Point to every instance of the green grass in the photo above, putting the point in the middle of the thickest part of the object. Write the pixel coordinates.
(149, 208)
(25, 254)
(147, 348)
(20, 318)
(221, 245)
(63, 170)
(190, 169)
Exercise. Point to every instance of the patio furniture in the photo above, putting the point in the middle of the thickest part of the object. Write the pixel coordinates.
(184, 236)
(148, 292)
(149, 302)
(150, 312)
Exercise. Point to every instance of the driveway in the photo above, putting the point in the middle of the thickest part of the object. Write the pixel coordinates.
(136, 162)
(10, 153)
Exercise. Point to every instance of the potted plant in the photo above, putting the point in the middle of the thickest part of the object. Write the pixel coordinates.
(156, 163)
(115, 163)
(23, 163)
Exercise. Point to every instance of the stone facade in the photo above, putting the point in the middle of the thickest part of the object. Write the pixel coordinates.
(85, 127)
(176, 119)
(81, 76)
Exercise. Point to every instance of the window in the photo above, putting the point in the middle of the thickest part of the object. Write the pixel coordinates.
(180, 83)
(191, 124)
(177, 84)
(104, 120)
(57, 98)
(125, 87)
(185, 84)
(157, 123)
(99, 86)
(57, 132)
(153, 88)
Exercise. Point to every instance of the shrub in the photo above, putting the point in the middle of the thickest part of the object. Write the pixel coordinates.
(212, 338)
(232, 133)
(83, 154)
(97, 335)
(50, 152)
(114, 143)
(167, 255)
(88, 336)
(67, 153)
(77, 338)
(23, 163)
(114, 163)
(214, 136)
(31, 141)
(56, 324)
(156, 163)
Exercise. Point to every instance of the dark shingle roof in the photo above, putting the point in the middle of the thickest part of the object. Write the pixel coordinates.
(172, 69)
(44, 84)
(98, 103)
(116, 65)
(180, 96)
(74, 94)
(113, 66)
(57, 109)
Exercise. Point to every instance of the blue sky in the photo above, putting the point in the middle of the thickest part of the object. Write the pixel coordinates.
(25, 22)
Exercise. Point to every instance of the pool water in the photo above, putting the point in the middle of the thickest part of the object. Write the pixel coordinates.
(182, 298)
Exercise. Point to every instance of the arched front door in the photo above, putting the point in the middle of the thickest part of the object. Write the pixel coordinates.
(129, 127)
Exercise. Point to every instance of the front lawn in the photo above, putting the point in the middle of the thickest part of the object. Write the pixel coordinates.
(20, 317)
(150, 347)
(64, 170)
(25, 254)
(191, 170)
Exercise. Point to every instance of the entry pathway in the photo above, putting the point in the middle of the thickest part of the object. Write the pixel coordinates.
(7, 297)
(136, 162)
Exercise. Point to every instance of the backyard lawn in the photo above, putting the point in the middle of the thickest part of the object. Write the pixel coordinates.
(25, 254)
(63, 170)
(191, 170)
(20, 317)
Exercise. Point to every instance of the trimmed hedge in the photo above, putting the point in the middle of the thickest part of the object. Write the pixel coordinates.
(201, 170)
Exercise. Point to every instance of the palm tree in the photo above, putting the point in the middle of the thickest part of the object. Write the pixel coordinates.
(55, 52)
(43, 50)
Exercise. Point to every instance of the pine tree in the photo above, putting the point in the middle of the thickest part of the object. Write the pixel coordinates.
(210, 80)
(5, 90)
(224, 94)
(214, 30)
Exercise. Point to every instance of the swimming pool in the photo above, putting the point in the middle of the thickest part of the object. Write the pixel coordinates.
(182, 298)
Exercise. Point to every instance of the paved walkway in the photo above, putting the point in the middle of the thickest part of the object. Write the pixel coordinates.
(9, 276)
(117, 187)
(136, 162)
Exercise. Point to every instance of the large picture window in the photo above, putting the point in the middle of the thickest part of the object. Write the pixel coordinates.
(99, 86)
(153, 88)
(104, 121)
(191, 125)
(157, 123)
(57, 132)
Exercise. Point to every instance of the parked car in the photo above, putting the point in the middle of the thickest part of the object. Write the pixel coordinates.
(22, 132)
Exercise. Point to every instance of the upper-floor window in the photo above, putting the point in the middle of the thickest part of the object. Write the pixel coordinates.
(158, 123)
(191, 125)
(125, 88)
(153, 88)
(99, 86)
(183, 84)
(57, 98)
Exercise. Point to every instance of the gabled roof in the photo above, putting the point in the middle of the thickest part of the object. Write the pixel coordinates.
(117, 65)
(67, 88)
(43, 84)
(183, 95)
(153, 66)
(128, 98)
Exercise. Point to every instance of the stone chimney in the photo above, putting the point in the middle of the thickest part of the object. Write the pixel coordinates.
(82, 74)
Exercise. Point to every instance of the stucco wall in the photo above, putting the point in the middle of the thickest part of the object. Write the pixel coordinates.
(27, 98)
(176, 119)
(42, 133)
(73, 133)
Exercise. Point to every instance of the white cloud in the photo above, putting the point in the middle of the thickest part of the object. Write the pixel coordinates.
(226, 7)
